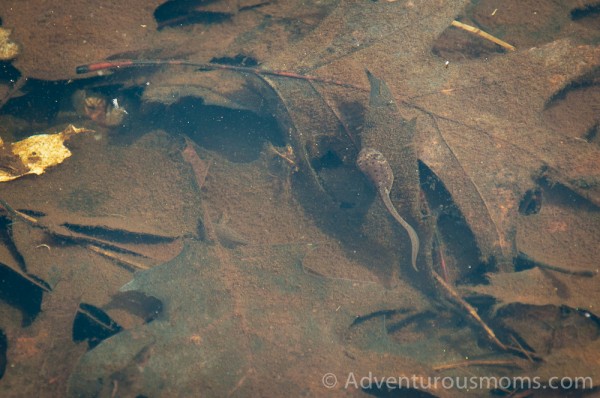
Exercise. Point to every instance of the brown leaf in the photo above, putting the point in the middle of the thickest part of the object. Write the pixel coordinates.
(542, 287)
(479, 127)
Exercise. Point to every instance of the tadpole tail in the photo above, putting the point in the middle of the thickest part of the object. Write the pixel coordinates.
(412, 234)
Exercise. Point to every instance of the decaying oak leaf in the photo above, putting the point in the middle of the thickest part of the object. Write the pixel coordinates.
(542, 287)
(35, 154)
(233, 322)
(468, 123)
(472, 118)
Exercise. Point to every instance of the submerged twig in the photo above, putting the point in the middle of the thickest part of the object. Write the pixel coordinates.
(476, 362)
(88, 242)
(457, 299)
(520, 347)
(128, 264)
(454, 296)
(98, 66)
(22, 216)
(485, 35)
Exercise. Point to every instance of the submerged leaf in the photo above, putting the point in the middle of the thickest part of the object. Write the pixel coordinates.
(230, 324)
(541, 287)
(39, 152)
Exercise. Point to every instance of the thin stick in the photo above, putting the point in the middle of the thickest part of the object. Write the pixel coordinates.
(98, 66)
(454, 296)
(485, 35)
(128, 264)
(476, 362)
(470, 310)
(24, 217)
(131, 265)
(523, 350)
(87, 313)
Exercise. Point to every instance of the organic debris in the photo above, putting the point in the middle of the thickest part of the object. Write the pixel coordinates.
(8, 48)
(103, 236)
(97, 108)
(484, 125)
(551, 288)
(483, 34)
(35, 154)
(227, 308)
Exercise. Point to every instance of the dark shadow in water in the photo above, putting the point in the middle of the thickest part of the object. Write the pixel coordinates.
(136, 303)
(238, 60)
(21, 294)
(377, 314)
(94, 325)
(587, 80)
(416, 319)
(238, 135)
(452, 228)
(41, 103)
(8, 73)
(557, 194)
(7, 240)
(179, 13)
(118, 235)
(586, 11)
(531, 203)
